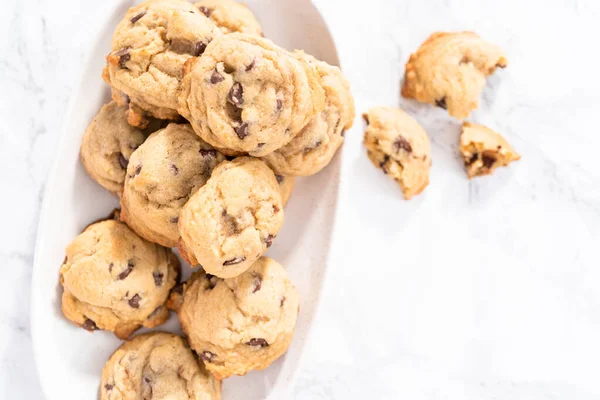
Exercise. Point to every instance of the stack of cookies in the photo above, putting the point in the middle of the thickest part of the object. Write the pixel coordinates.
(208, 124)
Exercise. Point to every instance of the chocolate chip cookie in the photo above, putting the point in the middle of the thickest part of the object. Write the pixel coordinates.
(107, 145)
(239, 324)
(150, 46)
(230, 16)
(314, 147)
(157, 365)
(116, 281)
(247, 95)
(286, 184)
(398, 145)
(232, 220)
(449, 71)
(162, 175)
(484, 150)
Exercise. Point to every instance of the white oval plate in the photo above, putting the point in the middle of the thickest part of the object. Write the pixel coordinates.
(70, 359)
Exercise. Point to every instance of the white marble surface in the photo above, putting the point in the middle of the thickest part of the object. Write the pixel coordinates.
(474, 290)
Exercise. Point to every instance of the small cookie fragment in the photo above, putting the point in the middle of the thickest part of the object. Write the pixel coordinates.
(116, 281)
(232, 220)
(157, 365)
(483, 150)
(230, 16)
(107, 145)
(162, 174)
(149, 48)
(239, 324)
(449, 71)
(247, 95)
(398, 145)
(316, 144)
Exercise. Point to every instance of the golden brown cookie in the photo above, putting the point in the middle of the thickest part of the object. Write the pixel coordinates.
(449, 71)
(398, 145)
(484, 150)
(163, 173)
(230, 16)
(239, 324)
(116, 281)
(286, 185)
(232, 220)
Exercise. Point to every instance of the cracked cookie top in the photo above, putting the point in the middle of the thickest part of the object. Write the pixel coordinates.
(483, 150)
(230, 16)
(314, 147)
(150, 46)
(449, 71)
(247, 95)
(398, 145)
(163, 173)
(232, 220)
(115, 280)
(156, 365)
(239, 324)
(107, 145)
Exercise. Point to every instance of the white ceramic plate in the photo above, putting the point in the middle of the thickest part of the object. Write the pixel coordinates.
(68, 358)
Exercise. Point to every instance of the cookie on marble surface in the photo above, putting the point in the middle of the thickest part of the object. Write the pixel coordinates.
(162, 174)
(230, 16)
(150, 46)
(483, 150)
(157, 365)
(449, 71)
(116, 281)
(107, 145)
(286, 185)
(316, 144)
(232, 220)
(239, 324)
(247, 95)
(398, 145)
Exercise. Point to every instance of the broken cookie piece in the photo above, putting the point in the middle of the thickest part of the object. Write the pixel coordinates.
(398, 145)
(484, 150)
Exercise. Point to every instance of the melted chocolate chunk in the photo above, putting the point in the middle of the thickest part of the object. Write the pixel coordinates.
(138, 169)
(242, 130)
(269, 240)
(441, 103)
(89, 325)
(174, 220)
(216, 77)
(279, 104)
(282, 301)
(123, 55)
(137, 17)
(258, 342)
(205, 10)
(199, 48)
(279, 178)
(234, 261)
(207, 356)
(123, 161)
(127, 271)
(109, 387)
(158, 278)
(401, 143)
(173, 168)
(134, 302)
(251, 65)
(488, 161)
(208, 153)
(236, 95)
(257, 284)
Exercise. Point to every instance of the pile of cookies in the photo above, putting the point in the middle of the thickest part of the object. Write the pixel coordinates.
(448, 71)
(208, 125)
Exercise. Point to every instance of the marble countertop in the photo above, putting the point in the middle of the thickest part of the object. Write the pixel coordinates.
(484, 289)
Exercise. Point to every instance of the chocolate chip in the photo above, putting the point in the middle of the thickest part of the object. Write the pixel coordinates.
(311, 148)
(258, 342)
(343, 133)
(441, 103)
(207, 356)
(269, 240)
(127, 271)
(257, 284)
(126, 100)
(464, 60)
(138, 169)
(137, 17)
(173, 168)
(401, 143)
(234, 261)
(258, 146)
(383, 162)
(205, 10)
(110, 267)
(275, 209)
(236, 95)
(199, 48)
(174, 220)
(212, 281)
(208, 153)
(123, 161)
(242, 130)
(488, 161)
(123, 55)
(251, 65)
(158, 278)
(216, 77)
(366, 118)
(147, 379)
(282, 301)
(279, 178)
(279, 104)
(89, 325)
(134, 302)
(473, 158)
(109, 387)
